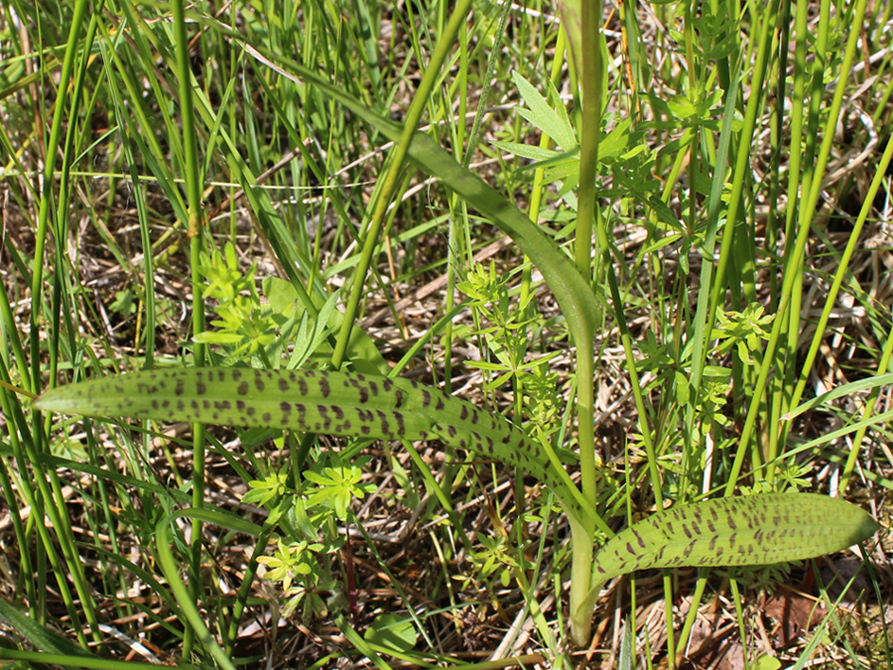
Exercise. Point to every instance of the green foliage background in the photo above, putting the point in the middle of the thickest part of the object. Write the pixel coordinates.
(736, 264)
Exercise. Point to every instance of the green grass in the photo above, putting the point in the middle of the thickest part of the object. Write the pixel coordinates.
(223, 192)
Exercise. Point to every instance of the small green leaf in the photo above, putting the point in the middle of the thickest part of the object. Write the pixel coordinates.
(541, 115)
(766, 663)
(364, 355)
(392, 632)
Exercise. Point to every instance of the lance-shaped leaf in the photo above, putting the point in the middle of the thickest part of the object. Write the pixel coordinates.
(751, 530)
(332, 403)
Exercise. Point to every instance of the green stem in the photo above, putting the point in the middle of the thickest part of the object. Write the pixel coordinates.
(591, 84)
(193, 193)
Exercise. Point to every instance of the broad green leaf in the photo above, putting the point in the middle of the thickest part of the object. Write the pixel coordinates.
(332, 403)
(751, 530)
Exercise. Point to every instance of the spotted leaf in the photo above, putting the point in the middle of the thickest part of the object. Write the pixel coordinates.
(332, 403)
(751, 530)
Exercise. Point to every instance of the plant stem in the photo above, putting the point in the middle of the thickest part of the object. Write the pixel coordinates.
(194, 232)
(591, 84)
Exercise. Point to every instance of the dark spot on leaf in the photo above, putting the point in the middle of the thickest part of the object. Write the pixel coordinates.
(324, 387)
(324, 413)
(385, 427)
(302, 386)
(283, 385)
(243, 388)
(200, 388)
(398, 417)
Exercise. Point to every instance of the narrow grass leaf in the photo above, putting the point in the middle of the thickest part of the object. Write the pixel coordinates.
(38, 636)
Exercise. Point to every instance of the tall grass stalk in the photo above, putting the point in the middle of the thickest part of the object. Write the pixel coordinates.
(50, 499)
(807, 210)
(395, 165)
(194, 227)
